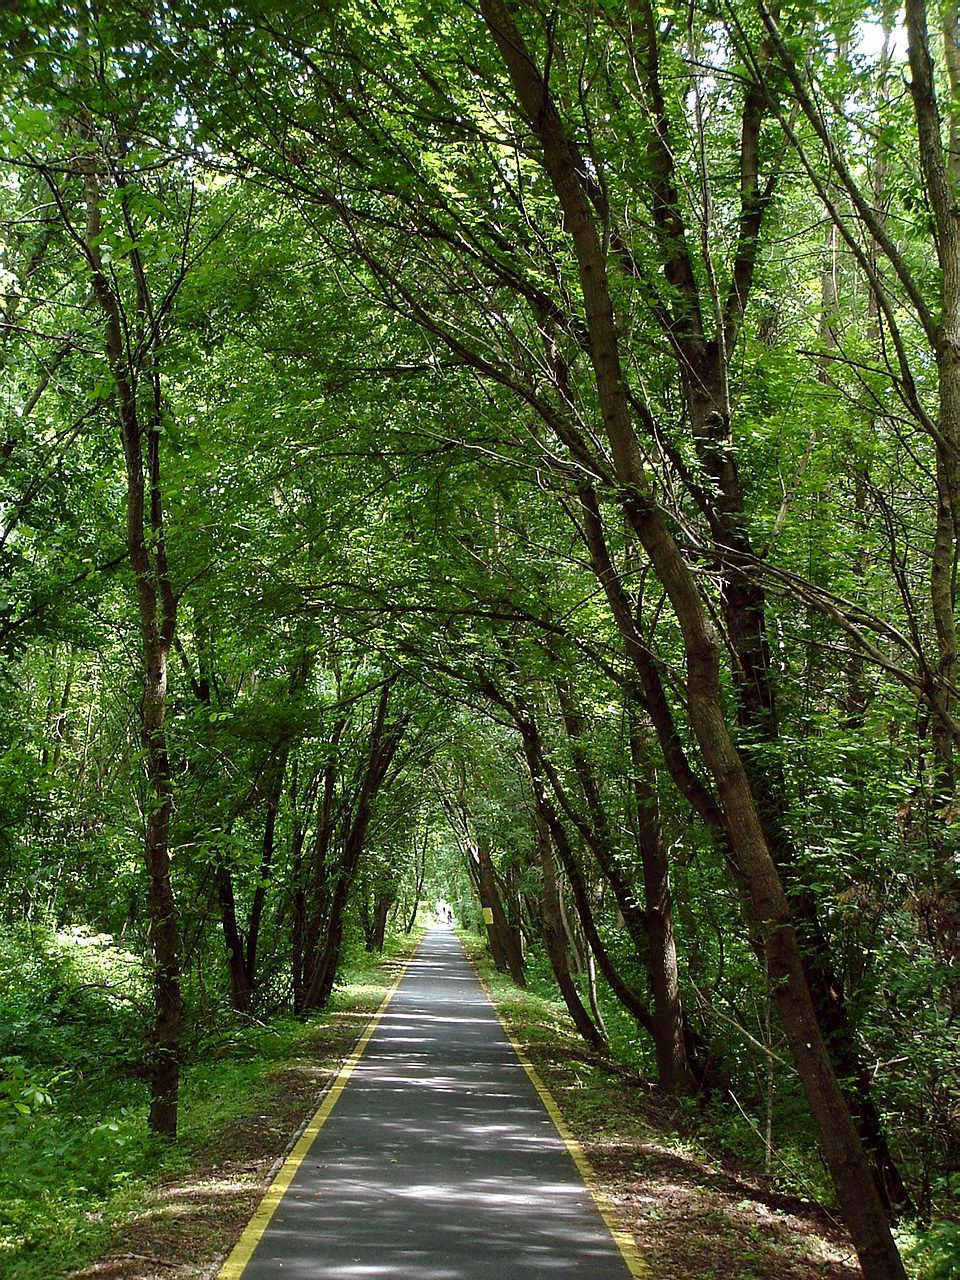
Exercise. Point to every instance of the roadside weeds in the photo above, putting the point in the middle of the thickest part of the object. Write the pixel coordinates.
(187, 1224)
(690, 1216)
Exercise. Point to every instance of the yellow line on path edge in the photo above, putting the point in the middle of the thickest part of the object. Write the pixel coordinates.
(242, 1251)
(623, 1240)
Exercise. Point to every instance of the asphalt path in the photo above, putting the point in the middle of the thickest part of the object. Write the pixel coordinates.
(439, 1160)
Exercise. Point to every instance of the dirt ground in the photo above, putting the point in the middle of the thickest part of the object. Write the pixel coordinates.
(690, 1218)
(189, 1224)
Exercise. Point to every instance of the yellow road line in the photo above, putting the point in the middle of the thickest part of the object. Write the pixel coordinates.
(623, 1240)
(242, 1251)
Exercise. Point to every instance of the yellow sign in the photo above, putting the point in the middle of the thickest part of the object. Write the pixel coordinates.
(488, 915)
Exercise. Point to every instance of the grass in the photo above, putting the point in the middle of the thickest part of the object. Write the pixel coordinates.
(691, 1207)
(688, 1176)
(76, 1159)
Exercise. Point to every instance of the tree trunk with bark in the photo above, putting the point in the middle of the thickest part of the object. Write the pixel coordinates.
(385, 739)
(556, 943)
(240, 993)
(411, 919)
(678, 1073)
(768, 907)
(597, 833)
(315, 887)
(267, 849)
(940, 180)
(157, 616)
(669, 1039)
(504, 945)
(826, 987)
(381, 914)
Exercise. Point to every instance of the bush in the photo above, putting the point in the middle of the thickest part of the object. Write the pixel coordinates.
(71, 1106)
(934, 1254)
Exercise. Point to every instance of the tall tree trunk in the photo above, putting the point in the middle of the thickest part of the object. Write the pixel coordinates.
(240, 993)
(703, 363)
(274, 794)
(300, 805)
(694, 1072)
(418, 891)
(383, 744)
(827, 990)
(381, 912)
(510, 897)
(157, 614)
(769, 909)
(317, 992)
(316, 887)
(575, 948)
(273, 797)
(668, 1034)
(556, 943)
(941, 171)
(487, 892)
(507, 955)
(202, 685)
(940, 178)
(598, 833)
(630, 1000)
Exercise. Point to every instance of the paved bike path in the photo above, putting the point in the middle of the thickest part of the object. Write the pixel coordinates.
(438, 1161)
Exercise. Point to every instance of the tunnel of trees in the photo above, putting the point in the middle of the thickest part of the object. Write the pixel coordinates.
(505, 453)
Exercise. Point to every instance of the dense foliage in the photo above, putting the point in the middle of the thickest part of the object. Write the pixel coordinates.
(500, 456)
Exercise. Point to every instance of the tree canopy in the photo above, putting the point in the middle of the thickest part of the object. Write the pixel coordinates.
(510, 456)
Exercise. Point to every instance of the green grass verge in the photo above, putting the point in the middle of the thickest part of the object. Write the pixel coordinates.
(75, 1154)
(596, 1107)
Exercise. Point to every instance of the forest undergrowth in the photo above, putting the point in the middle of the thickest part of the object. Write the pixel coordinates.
(86, 1191)
(689, 1180)
(84, 1187)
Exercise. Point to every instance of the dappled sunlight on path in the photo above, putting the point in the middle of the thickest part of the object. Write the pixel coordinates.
(439, 1161)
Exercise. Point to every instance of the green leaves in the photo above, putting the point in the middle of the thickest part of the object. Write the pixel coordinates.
(104, 388)
(20, 1093)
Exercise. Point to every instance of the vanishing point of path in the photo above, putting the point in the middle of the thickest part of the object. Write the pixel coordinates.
(438, 1160)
